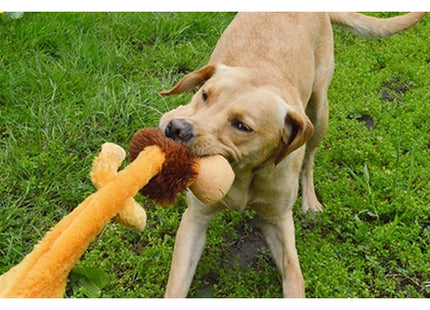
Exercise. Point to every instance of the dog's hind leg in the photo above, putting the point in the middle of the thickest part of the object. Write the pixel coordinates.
(317, 112)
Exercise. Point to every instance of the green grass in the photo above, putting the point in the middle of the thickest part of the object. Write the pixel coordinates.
(71, 81)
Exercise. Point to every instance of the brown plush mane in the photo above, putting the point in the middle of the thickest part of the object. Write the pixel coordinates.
(178, 171)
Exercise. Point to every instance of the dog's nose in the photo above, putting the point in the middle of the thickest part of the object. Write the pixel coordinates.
(179, 129)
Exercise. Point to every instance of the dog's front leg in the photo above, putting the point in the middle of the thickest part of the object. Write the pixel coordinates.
(189, 244)
(279, 234)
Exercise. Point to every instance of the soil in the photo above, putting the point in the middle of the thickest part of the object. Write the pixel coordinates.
(393, 90)
(246, 248)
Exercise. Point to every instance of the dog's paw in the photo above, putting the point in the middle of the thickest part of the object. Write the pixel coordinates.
(311, 207)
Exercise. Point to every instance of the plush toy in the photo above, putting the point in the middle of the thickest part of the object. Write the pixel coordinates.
(104, 170)
(209, 178)
(43, 272)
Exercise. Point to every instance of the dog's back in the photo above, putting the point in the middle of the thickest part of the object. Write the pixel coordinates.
(288, 46)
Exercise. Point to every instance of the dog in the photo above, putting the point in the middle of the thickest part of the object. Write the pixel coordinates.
(262, 104)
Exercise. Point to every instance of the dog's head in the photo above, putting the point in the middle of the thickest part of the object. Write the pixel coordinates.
(239, 114)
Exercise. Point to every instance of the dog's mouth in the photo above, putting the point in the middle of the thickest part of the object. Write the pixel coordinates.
(203, 148)
(205, 151)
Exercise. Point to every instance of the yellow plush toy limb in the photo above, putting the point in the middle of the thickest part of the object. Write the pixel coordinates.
(104, 170)
(43, 272)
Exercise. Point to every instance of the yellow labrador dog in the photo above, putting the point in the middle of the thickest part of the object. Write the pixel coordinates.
(262, 99)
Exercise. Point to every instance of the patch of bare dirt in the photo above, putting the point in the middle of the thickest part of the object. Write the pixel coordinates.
(393, 90)
(246, 248)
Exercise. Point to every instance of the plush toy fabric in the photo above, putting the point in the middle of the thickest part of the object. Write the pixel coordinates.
(104, 170)
(180, 168)
(209, 177)
(44, 271)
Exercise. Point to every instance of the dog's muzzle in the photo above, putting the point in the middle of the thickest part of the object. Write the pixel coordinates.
(179, 129)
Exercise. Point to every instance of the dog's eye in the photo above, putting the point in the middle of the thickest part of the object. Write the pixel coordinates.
(204, 95)
(240, 126)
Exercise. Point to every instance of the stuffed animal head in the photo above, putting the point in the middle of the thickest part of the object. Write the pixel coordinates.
(209, 178)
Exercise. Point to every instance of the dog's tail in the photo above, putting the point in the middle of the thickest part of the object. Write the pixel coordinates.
(372, 27)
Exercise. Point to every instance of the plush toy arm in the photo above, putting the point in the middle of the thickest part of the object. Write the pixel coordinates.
(104, 170)
(106, 164)
(43, 272)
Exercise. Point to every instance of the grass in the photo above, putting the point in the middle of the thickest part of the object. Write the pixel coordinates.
(71, 81)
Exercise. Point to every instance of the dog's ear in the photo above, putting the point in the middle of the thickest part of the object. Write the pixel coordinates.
(192, 80)
(298, 129)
